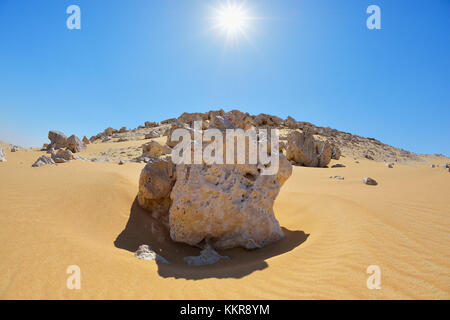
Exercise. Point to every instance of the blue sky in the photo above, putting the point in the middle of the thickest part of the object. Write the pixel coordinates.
(140, 60)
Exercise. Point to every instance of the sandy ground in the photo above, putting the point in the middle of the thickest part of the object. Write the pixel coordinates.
(85, 214)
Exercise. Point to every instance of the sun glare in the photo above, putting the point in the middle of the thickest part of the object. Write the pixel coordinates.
(233, 20)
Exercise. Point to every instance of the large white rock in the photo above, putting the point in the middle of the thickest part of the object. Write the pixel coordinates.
(226, 205)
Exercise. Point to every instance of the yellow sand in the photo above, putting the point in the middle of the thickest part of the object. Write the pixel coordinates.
(84, 214)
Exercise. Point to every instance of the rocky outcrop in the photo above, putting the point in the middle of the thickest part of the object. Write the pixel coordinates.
(58, 140)
(155, 185)
(75, 145)
(291, 123)
(303, 149)
(335, 153)
(86, 140)
(150, 124)
(2, 155)
(43, 161)
(154, 149)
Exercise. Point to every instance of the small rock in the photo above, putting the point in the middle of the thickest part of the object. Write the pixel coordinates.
(339, 178)
(42, 161)
(145, 252)
(121, 163)
(151, 135)
(390, 165)
(64, 154)
(370, 182)
(432, 166)
(207, 256)
(2, 155)
(15, 149)
(338, 165)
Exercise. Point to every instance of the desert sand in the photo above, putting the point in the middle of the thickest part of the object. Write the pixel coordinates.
(85, 214)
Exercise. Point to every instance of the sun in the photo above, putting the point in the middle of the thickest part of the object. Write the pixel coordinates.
(233, 20)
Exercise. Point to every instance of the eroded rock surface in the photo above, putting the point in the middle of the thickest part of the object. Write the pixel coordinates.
(58, 140)
(75, 145)
(303, 149)
(145, 252)
(155, 185)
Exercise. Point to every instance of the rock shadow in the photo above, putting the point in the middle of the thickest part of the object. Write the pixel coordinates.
(142, 228)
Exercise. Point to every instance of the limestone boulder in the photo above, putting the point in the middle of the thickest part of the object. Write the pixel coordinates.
(43, 161)
(75, 145)
(58, 140)
(303, 149)
(155, 185)
(154, 149)
(226, 205)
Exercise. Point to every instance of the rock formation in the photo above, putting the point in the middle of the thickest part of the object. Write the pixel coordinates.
(58, 140)
(155, 185)
(75, 145)
(303, 149)
(154, 149)
(42, 161)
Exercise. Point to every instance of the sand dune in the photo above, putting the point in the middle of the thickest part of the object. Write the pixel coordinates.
(85, 214)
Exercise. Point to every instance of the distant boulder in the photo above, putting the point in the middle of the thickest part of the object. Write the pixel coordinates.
(58, 140)
(43, 161)
(150, 124)
(86, 140)
(154, 149)
(75, 145)
(303, 149)
(370, 181)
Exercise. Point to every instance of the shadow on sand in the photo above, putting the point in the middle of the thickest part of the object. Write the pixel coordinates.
(142, 228)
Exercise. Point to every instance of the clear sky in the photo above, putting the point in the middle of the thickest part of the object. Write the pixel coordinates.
(140, 60)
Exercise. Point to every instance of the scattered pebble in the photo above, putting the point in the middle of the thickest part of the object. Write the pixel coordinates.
(370, 181)
(145, 252)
